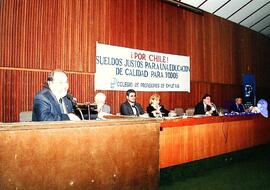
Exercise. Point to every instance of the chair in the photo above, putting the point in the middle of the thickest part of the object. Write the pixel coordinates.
(179, 111)
(25, 116)
(190, 111)
(222, 110)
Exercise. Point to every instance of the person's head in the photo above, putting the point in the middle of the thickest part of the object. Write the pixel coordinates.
(154, 99)
(100, 98)
(131, 95)
(238, 100)
(58, 83)
(206, 99)
(262, 106)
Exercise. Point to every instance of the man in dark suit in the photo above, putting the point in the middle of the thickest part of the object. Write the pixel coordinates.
(130, 106)
(206, 107)
(52, 103)
(237, 106)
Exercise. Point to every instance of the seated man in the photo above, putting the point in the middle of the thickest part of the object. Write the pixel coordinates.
(237, 106)
(100, 101)
(206, 107)
(52, 103)
(130, 106)
(103, 109)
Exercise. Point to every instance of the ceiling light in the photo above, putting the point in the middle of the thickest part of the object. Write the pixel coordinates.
(178, 3)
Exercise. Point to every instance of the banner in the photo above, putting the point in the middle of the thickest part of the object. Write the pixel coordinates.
(119, 68)
(249, 90)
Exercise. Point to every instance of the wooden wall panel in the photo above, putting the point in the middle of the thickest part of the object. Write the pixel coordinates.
(37, 36)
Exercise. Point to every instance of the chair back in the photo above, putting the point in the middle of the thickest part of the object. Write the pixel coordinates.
(190, 111)
(25, 116)
(179, 111)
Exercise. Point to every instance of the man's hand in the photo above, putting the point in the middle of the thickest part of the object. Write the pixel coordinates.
(73, 117)
(102, 114)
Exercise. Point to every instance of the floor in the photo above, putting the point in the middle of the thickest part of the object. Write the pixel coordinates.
(253, 173)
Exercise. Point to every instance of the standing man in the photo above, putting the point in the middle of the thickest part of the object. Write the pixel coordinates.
(51, 103)
(130, 106)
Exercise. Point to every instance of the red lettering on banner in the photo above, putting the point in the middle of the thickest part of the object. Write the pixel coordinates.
(158, 58)
(140, 56)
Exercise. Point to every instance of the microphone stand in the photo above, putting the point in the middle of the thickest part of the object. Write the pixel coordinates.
(79, 109)
(88, 107)
(74, 102)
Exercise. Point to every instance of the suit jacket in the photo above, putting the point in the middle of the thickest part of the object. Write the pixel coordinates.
(235, 108)
(199, 109)
(126, 108)
(47, 108)
(150, 109)
(106, 108)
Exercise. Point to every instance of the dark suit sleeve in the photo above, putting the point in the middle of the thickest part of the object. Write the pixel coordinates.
(242, 108)
(141, 111)
(199, 109)
(233, 107)
(149, 110)
(43, 112)
(124, 109)
(69, 105)
(196, 110)
(164, 111)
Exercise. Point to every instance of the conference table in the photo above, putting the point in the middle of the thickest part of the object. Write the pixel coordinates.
(195, 138)
(118, 153)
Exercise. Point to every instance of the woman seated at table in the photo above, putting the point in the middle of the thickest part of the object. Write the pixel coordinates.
(155, 109)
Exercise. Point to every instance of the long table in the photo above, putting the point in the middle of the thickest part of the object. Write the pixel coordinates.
(121, 153)
(190, 139)
(117, 154)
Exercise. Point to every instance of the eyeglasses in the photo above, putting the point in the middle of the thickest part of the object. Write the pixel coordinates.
(132, 95)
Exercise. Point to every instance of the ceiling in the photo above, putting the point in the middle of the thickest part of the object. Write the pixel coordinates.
(253, 14)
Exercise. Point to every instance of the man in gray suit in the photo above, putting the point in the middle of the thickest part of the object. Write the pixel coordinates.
(100, 100)
(130, 106)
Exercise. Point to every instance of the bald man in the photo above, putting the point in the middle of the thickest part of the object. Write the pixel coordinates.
(51, 103)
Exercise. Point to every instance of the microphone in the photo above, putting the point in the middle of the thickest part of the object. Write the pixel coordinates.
(72, 99)
(214, 108)
(74, 104)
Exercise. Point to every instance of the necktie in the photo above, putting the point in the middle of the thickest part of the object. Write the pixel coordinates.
(61, 105)
(137, 112)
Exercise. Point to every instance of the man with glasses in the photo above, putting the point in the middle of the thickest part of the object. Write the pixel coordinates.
(52, 103)
(130, 106)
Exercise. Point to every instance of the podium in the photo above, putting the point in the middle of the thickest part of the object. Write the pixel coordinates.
(82, 155)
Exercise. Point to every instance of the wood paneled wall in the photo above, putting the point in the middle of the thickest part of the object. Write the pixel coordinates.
(37, 36)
